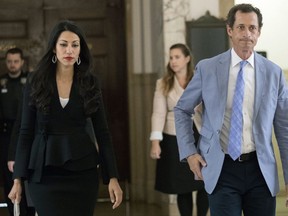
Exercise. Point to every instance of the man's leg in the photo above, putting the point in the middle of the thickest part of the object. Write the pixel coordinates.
(258, 200)
(226, 199)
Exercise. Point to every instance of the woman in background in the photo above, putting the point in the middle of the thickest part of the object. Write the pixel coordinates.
(173, 176)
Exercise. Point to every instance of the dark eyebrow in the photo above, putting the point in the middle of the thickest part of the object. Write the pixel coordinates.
(62, 40)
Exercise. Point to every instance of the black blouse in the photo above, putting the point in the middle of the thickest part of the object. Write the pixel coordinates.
(60, 139)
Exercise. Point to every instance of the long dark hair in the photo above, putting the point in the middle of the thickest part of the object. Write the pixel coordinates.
(168, 79)
(44, 74)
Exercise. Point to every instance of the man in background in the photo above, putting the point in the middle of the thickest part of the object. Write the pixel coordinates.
(11, 88)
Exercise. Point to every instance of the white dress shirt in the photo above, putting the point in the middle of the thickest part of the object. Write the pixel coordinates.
(248, 144)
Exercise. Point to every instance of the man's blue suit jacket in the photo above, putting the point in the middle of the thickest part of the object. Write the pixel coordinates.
(209, 86)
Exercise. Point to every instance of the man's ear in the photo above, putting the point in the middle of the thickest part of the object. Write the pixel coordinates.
(229, 30)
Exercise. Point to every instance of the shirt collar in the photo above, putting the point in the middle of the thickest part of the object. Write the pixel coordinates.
(235, 59)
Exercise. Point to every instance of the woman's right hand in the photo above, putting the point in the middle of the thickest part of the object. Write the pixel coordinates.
(16, 191)
(155, 150)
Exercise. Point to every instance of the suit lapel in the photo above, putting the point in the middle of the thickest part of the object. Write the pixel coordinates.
(222, 73)
(260, 79)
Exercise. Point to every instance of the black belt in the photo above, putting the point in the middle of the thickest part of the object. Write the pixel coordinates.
(40, 163)
(243, 157)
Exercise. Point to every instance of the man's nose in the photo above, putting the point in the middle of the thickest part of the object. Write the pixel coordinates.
(247, 32)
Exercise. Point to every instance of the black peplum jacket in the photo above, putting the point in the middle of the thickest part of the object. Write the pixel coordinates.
(60, 139)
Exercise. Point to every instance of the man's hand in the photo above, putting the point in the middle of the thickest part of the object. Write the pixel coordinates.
(195, 162)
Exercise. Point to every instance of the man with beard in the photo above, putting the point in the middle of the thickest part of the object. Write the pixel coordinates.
(11, 88)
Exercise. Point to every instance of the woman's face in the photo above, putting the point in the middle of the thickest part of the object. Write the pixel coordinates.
(67, 48)
(178, 61)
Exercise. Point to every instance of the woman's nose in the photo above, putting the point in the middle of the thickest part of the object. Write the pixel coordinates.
(69, 49)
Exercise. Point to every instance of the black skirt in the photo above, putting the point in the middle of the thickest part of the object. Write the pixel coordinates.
(64, 192)
(173, 176)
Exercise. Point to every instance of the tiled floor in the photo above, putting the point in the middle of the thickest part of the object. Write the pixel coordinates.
(142, 209)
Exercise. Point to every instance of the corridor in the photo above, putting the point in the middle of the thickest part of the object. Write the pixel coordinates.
(141, 209)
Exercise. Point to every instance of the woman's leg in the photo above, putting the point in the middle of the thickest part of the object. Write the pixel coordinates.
(202, 202)
(185, 204)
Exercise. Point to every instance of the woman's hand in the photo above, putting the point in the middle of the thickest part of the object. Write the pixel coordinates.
(16, 191)
(155, 150)
(115, 192)
(10, 165)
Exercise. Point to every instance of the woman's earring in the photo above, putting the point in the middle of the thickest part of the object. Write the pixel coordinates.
(78, 61)
(54, 58)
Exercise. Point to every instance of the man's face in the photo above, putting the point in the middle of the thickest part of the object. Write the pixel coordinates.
(14, 63)
(245, 33)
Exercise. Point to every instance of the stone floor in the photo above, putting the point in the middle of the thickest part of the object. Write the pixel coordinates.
(141, 209)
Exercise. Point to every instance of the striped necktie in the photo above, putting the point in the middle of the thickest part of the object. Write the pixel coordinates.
(236, 121)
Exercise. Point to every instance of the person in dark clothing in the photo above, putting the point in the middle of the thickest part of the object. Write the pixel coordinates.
(11, 85)
(55, 152)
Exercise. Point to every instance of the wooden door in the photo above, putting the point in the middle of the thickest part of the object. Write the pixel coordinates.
(27, 23)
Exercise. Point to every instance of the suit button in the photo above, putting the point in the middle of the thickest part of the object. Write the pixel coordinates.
(218, 131)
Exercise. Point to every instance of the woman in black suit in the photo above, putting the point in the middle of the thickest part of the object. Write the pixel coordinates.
(55, 152)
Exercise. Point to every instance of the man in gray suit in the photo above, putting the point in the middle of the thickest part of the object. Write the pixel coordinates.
(245, 180)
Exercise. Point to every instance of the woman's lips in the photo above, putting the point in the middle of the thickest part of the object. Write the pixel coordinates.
(69, 58)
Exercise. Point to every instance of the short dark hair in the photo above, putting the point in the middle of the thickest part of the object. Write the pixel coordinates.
(244, 8)
(14, 50)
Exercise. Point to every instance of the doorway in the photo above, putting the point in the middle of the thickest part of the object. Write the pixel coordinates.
(27, 23)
